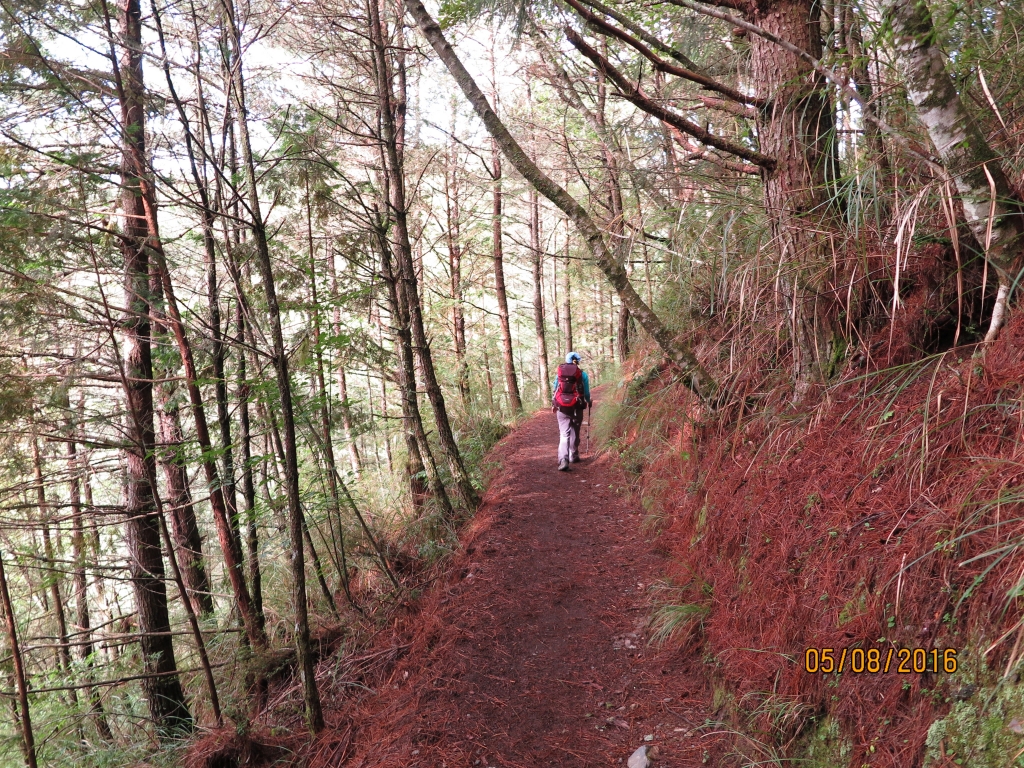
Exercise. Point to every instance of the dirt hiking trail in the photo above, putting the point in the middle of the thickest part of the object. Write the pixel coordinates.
(535, 651)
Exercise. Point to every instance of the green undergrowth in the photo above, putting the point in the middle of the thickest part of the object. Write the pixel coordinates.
(476, 440)
(985, 724)
(651, 419)
(824, 746)
(410, 542)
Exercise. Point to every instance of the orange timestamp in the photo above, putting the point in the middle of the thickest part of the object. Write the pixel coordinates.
(903, 661)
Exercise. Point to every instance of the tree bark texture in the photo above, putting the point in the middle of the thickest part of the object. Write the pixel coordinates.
(354, 459)
(796, 126)
(617, 218)
(566, 314)
(622, 340)
(244, 391)
(219, 356)
(384, 411)
(420, 457)
(454, 237)
(223, 514)
(459, 326)
(223, 483)
(227, 533)
(162, 689)
(850, 30)
(327, 439)
(54, 578)
(488, 382)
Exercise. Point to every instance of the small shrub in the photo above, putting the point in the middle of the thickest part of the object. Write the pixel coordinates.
(673, 621)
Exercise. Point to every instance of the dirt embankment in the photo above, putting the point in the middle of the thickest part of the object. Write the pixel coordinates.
(888, 517)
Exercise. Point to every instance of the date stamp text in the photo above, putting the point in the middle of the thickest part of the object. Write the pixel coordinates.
(902, 661)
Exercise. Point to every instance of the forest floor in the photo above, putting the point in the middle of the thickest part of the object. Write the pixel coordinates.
(534, 650)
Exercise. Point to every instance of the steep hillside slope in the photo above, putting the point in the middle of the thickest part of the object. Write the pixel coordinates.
(886, 518)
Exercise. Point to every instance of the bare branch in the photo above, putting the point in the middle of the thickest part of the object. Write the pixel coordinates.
(635, 96)
(659, 63)
(643, 34)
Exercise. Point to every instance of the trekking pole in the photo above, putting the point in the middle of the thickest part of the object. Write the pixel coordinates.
(588, 429)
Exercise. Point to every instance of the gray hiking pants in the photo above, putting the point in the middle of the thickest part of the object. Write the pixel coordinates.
(569, 434)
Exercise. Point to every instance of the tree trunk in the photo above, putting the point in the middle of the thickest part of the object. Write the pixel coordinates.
(488, 381)
(28, 741)
(554, 301)
(866, 88)
(623, 338)
(796, 128)
(93, 543)
(508, 362)
(617, 221)
(161, 686)
(227, 473)
(405, 375)
(248, 483)
(453, 213)
(188, 543)
(420, 457)
(384, 412)
(327, 438)
(231, 546)
(79, 559)
(566, 301)
(224, 519)
(279, 357)
(355, 461)
(54, 578)
(336, 545)
(993, 211)
(281, 453)
(318, 568)
(392, 140)
(224, 490)
(544, 389)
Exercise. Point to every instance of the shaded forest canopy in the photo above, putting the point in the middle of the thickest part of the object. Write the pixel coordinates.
(274, 277)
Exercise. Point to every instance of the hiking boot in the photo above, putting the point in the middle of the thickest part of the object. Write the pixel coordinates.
(563, 466)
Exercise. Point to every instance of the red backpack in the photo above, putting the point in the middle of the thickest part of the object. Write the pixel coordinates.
(569, 391)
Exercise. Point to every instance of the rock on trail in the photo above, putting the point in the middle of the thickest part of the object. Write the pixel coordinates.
(639, 759)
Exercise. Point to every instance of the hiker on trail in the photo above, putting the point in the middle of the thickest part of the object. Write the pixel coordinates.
(571, 397)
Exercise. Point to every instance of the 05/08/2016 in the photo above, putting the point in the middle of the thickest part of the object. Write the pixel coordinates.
(879, 660)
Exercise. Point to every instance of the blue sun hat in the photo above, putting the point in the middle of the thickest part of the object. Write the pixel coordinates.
(572, 357)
